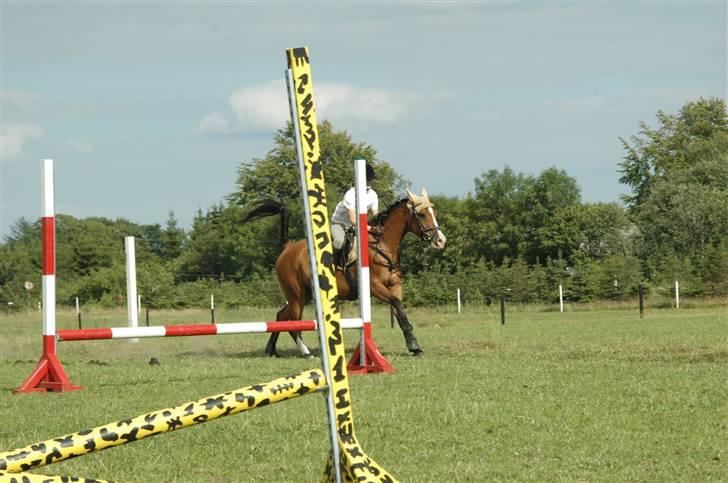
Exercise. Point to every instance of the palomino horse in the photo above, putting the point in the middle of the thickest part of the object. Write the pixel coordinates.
(413, 214)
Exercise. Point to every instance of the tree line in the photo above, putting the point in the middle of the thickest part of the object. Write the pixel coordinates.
(516, 234)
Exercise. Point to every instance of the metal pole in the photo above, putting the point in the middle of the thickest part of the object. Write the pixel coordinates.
(316, 289)
(459, 311)
(561, 297)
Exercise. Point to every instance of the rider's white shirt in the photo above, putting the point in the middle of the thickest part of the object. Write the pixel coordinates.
(341, 214)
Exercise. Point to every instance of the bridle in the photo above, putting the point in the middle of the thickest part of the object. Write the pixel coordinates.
(427, 233)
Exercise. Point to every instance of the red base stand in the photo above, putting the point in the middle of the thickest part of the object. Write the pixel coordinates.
(374, 361)
(48, 374)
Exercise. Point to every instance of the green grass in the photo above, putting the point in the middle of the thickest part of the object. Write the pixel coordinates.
(587, 395)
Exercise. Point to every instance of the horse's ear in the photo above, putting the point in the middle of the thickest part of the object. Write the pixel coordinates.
(412, 199)
(424, 194)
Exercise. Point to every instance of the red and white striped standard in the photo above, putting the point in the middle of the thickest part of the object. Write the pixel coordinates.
(196, 329)
(367, 357)
(365, 298)
(48, 374)
(48, 226)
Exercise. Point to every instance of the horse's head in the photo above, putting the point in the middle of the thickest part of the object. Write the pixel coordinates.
(423, 222)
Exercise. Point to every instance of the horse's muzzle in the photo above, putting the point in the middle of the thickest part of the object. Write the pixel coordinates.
(438, 241)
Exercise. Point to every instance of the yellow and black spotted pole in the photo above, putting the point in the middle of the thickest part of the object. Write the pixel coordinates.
(24, 477)
(354, 465)
(158, 422)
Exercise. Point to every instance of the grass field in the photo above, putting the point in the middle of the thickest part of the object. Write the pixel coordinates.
(587, 395)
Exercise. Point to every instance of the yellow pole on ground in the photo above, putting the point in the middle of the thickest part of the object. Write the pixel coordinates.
(31, 478)
(162, 421)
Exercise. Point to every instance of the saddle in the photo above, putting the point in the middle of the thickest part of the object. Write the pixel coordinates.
(348, 253)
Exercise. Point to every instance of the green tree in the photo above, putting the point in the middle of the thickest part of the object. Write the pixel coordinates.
(518, 216)
(697, 133)
(686, 211)
(172, 239)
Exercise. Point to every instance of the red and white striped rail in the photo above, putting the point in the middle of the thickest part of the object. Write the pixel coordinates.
(197, 329)
(49, 374)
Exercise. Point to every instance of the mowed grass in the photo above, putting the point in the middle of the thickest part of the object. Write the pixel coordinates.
(587, 395)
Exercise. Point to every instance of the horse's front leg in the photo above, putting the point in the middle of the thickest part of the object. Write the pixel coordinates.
(393, 296)
(298, 339)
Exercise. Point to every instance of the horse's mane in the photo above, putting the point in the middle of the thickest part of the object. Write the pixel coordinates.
(378, 220)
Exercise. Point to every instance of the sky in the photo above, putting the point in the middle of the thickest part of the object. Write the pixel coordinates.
(147, 107)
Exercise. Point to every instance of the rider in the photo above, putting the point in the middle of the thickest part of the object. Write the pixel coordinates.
(345, 214)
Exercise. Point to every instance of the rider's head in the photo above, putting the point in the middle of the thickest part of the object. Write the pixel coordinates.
(370, 174)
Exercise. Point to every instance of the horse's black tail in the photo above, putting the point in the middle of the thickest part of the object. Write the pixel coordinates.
(271, 207)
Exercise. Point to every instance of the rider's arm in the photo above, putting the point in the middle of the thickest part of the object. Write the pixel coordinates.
(352, 219)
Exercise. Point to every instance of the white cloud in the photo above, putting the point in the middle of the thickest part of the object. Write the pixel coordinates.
(215, 122)
(17, 98)
(266, 106)
(343, 102)
(14, 136)
(263, 105)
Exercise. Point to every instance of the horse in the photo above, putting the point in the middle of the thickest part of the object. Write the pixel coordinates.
(414, 214)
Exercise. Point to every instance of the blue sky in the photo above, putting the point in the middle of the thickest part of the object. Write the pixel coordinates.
(147, 107)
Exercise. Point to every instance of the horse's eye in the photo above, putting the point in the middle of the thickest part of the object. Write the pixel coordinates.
(421, 215)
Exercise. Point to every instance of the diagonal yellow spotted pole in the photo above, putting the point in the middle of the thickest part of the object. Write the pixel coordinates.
(354, 464)
(158, 422)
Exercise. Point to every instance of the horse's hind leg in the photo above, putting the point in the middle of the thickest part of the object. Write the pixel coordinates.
(290, 311)
(270, 347)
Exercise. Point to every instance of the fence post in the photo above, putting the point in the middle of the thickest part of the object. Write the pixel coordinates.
(642, 302)
(459, 301)
(503, 309)
(78, 313)
(677, 295)
(561, 297)
(212, 308)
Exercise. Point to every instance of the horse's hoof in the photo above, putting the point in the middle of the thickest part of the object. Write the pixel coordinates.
(417, 352)
(309, 356)
(413, 346)
(272, 354)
